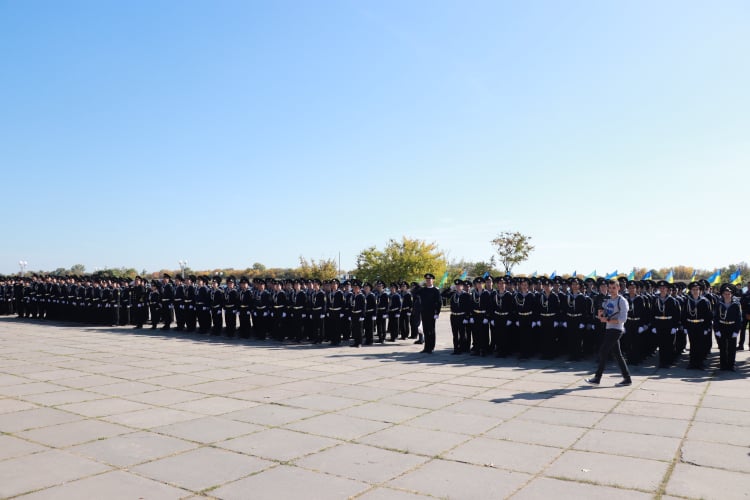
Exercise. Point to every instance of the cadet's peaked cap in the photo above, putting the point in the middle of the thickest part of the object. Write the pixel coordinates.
(367, 284)
(244, 280)
(727, 287)
(166, 276)
(458, 282)
(137, 277)
(393, 285)
(478, 279)
(216, 279)
(574, 280)
(662, 283)
(694, 284)
(429, 276)
(192, 277)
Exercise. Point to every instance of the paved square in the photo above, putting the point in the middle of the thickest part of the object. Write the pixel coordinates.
(89, 412)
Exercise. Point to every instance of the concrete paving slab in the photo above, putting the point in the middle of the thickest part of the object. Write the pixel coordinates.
(41, 470)
(544, 487)
(453, 480)
(414, 440)
(290, 483)
(208, 429)
(526, 431)
(203, 468)
(629, 444)
(131, 449)
(717, 455)
(599, 468)
(281, 445)
(507, 455)
(12, 447)
(362, 463)
(115, 485)
(691, 481)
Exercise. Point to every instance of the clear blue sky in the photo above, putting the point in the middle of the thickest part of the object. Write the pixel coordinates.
(139, 133)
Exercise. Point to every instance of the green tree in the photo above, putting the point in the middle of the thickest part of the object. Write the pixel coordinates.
(513, 248)
(78, 269)
(324, 269)
(408, 259)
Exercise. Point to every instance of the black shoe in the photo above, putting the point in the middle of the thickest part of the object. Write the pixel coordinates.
(355, 345)
(425, 351)
(593, 381)
(740, 348)
(625, 382)
(419, 341)
(455, 352)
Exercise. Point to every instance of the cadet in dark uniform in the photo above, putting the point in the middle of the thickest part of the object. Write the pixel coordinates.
(431, 304)
(262, 309)
(191, 293)
(479, 321)
(577, 311)
(280, 304)
(318, 311)
(217, 305)
(697, 318)
(548, 311)
(407, 302)
(298, 306)
(745, 306)
(167, 301)
(154, 304)
(358, 312)
(139, 302)
(526, 304)
(635, 339)
(245, 308)
(203, 305)
(665, 319)
(231, 306)
(394, 312)
(371, 306)
(416, 313)
(179, 303)
(461, 308)
(382, 310)
(727, 324)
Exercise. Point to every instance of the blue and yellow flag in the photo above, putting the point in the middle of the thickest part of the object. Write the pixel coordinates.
(463, 275)
(670, 277)
(443, 280)
(553, 275)
(533, 275)
(647, 276)
(487, 273)
(692, 277)
(611, 275)
(574, 274)
(631, 276)
(736, 277)
(592, 274)
(714, 278)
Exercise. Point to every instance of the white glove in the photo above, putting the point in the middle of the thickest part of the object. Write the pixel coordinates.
(641, 329)
(361, 319)
(518, 323)
(492, 322)
(283, 315)
(341, 315)
(304, 315)
(322, 316)
(706, 332)
(466, 322)
(735, 335)
(265, 314)
(398, 315)
(508, 323)
(653, 330)
(718, 335)
(374, 318)
(408, 314)
(385, 316)
(565, 324)
(556, 324)
(673, 331)
(581, 326)
(471, 320)
(435, 317)
(484, 321)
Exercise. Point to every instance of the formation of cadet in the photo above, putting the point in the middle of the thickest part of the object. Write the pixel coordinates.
(552, 317)
(295, 309)
(501, 316)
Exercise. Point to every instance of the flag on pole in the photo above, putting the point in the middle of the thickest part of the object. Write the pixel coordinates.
(553, 275)
(692, 277)
(631, 276)
(670, 276)
(592, 274)
(736, 277)
(647, 276)
(443, 280)
(463, 275)
(714, 278)
(611, 275)
(533, 275)
(574, 274)
(486, 274)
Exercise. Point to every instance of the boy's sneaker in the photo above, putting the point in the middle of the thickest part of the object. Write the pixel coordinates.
(593, 381)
